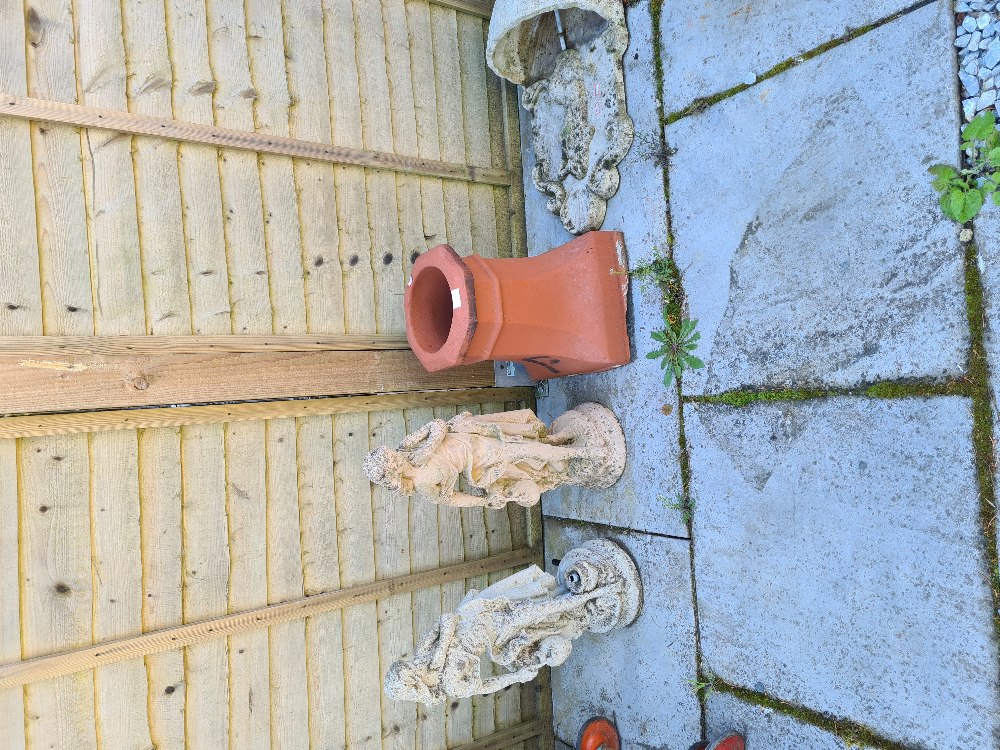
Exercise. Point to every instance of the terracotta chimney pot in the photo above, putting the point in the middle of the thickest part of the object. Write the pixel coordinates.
(560, 313)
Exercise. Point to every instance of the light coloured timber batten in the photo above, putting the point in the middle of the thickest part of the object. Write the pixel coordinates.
(38, 110)
(134, 419)
(61, 383)
(507, 737)
(68, 662)
(481, 8)
(130, 345)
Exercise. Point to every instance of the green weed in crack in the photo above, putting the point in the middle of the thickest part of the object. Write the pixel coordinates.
(964, 191)
(676, 347)
(686, 507)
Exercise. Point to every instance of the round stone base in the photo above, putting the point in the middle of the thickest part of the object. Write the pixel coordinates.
(602, 564)
(596, 428)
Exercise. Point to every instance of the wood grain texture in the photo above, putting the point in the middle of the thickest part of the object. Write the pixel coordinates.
(355, 533)
(205, 631)
(43, 110)
(506, 738)
(67, 424)
(42, 346)
(92, 382)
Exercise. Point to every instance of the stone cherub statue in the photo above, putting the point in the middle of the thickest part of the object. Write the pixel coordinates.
(525, 622)
(505, 457)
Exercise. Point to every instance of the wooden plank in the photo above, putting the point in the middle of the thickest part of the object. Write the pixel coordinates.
(283, 243)
(418, 22)
(42, 346)
(57, 587)
(458, 713)
(56, 584)
(198, 170)
(404, 130)
(206, 585)
(321, 573)
(236, 139)
(120, 689)
(507, 703)
(475, 110)
(424, 555)
(211, 630)
(11, 699)
(249, 654)
(323, 256)
(289, 695)
(67, 302)
(61, 383)
(451, 127)
(355, 536)
(242, 211)
(383, 208)
(157, 182)
(20, 312)
(392, 558)
(502, 197)
(20, 289)
(476, 544)
(506, 738)
(67, 424)
(480, 8)
(352, 200)
(160, 498)
(108, 176)
(512, 137)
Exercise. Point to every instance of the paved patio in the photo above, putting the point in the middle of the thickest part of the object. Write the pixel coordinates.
(836, 581)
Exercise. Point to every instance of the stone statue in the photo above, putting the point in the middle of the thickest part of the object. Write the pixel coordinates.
(525, 622)
(506, 457)
(567, 56)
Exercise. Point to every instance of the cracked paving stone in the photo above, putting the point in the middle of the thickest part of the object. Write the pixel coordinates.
(813, 249)
(639, 674)
(840, 562)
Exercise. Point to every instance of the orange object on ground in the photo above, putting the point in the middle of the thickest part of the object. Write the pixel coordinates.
(727, 742)
(560, 313)
(599, 733)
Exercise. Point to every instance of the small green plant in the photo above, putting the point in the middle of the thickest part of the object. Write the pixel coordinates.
(701, 687)
(679, 503)
(676, 347)
(964, 191)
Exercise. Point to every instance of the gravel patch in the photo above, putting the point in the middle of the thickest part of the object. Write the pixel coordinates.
(978, 42)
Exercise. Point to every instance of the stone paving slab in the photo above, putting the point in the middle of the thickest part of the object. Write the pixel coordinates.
(637, 675)
(634, 392)
(765, 728)
(813, 249)
(840, 562)
(709, 46)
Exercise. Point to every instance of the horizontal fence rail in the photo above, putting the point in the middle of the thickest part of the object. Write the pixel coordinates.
(132, 419)
(506, 738)
(68, 662)
(91, 382)
(112, 346)
(38, 110)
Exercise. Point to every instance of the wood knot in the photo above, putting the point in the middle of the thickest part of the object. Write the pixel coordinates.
(137, 381)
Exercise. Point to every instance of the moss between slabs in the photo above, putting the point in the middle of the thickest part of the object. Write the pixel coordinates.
(703, 103)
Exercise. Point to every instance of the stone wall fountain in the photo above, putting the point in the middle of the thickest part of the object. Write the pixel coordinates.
(567, 56)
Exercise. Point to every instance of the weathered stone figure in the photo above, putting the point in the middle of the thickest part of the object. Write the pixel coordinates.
(508, 457)
(523, 623)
